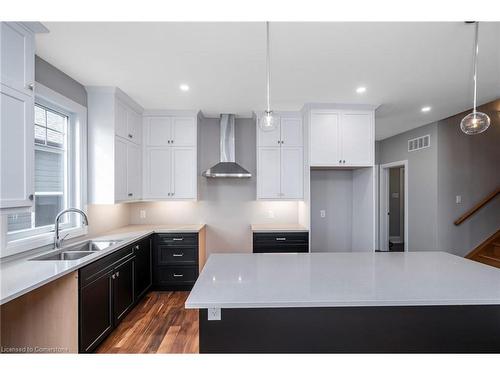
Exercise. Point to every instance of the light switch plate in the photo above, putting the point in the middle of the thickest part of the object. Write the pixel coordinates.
(458, 199)
(142, 214)
(214, 313)
(322, 213)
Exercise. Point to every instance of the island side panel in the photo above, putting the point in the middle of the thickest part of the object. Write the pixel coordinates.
(44, 320)
(388, 329)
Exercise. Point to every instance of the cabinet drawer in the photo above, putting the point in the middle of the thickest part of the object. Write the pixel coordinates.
(177, 239)
(169, 255)
(175, 275)
(277, 242)
(97, 268)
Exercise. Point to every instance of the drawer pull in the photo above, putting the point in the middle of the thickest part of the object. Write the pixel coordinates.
(178, 275)
(178, 255)
(280, 238)
(178, 239)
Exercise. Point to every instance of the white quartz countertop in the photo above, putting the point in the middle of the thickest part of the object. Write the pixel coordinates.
(343, 279)
(263, 228)
(22, 275)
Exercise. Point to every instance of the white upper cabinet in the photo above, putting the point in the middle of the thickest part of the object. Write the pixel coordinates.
(170, 156)
(114, 146)
(16, 119)
(17, 57)
(280, 160)
(341, 138)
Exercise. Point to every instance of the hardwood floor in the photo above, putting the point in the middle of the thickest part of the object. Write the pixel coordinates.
(158, 324)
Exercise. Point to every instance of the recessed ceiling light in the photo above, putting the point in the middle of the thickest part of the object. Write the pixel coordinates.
(184, 87)
(361, 90)
(426, 109)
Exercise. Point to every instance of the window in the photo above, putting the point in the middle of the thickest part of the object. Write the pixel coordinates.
(57, 154)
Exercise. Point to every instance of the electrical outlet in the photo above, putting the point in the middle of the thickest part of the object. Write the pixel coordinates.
(270, 214)
(142, 214)
(322, 213)
(214, 313)
(458, 199)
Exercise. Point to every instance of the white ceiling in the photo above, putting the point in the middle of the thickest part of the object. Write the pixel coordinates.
(404, 66)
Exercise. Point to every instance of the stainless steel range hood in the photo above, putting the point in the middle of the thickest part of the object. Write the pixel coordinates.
(227, 167)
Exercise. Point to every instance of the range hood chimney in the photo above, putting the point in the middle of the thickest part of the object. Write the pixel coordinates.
(227, 167)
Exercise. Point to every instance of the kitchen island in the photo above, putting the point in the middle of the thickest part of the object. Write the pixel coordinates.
(347, 303)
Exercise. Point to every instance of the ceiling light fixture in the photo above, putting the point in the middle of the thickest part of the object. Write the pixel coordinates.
(269, 121)
(426, 109)
(184, 87)
(475, 122)
(361, 90)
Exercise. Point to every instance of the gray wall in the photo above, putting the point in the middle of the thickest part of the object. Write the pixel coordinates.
(467, 166)
(228, 206)
(422, 184)
(53, 78)
(332, 191)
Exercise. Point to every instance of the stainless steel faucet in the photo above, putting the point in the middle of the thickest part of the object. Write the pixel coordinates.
(58, 241)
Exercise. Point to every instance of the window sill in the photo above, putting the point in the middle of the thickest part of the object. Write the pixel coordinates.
(33, 242)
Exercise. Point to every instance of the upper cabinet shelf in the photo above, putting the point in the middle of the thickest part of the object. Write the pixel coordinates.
(114, 146)
(280, 160)
(341, 138)
(17, 75)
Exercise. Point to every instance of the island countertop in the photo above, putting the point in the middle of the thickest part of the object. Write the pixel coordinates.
(21, 275)
(343, 279)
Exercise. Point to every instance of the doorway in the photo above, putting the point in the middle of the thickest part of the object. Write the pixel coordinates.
(394, 207)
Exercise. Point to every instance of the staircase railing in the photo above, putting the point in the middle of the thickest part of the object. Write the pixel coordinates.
(477, 207)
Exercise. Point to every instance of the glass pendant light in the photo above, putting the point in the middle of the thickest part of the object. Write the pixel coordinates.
(475, 122)
(269, 121)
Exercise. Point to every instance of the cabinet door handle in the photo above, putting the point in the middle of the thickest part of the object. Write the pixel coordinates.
(118, 274)
(30, 197)
(130, 136)
(178, 239)
(172, 141)
(178, 254)
(113, 276)
(130, 194)
(280, 238)
(31, 86)
(137, 247)
(178, 275)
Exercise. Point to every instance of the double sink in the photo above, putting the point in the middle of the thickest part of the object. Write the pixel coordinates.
(77, 251)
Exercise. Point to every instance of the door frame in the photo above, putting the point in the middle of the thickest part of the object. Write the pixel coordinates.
(384, 204)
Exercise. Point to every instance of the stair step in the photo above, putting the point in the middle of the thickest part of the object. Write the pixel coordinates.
(489, 258)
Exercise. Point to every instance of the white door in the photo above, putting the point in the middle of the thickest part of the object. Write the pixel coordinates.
(269, 179)
(324, 139)
(16, 149)
(183, 173)
(134, 126)
(134, 175)
(268, 138)
(121, 120)
(357, 138)
(121, 190)
(17, 57)
(292, 173)
(158, 172)
(183, 131)
(291, 132)
(157, 131)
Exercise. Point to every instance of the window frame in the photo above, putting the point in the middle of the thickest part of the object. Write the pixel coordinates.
(76, 177)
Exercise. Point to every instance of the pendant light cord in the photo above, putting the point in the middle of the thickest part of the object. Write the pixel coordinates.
(268, 69)
(476, 52)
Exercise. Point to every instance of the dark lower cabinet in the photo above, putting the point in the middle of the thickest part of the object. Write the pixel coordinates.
(96, 312)
(175, 261)
(123, 289)
(143, 267)
(281, 242)
(109, 288)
